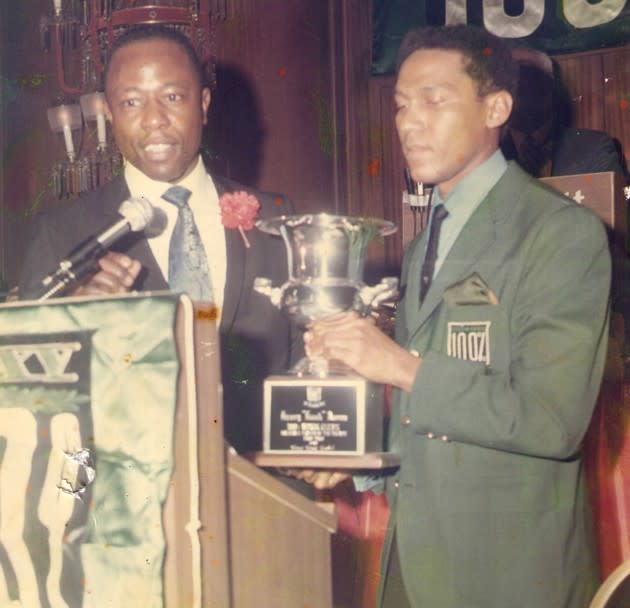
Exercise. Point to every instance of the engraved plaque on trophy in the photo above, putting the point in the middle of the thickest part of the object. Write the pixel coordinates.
(314, 408)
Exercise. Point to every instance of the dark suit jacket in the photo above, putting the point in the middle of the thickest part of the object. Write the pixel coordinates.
(572, 152)
(489, 503)
(255, 337)
(577, 151)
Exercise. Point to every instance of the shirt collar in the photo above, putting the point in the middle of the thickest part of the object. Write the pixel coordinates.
(462, 201)
(140, 185)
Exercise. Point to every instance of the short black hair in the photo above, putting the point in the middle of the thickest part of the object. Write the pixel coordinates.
(488, 59)
(139, 33)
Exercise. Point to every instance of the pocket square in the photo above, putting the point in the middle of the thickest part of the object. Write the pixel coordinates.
(472, 290)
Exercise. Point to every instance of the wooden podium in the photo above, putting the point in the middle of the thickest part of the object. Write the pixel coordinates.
(116, 486)
(603, 194)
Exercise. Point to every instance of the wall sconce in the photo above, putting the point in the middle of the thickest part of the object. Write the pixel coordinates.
(93, 108)
(64, 119)
(82, 171)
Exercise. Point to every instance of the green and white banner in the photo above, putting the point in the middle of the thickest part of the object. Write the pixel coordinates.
(87, 404)
(554, 26)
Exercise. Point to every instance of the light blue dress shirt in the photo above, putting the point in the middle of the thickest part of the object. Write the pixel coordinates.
(463, 200)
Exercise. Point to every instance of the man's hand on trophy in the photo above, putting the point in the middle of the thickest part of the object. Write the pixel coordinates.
(319, 478)
(117, 274)
(358, 343)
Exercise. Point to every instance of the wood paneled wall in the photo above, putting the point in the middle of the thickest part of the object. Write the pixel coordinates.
(599, 87)
(29, 149)
(274, 121)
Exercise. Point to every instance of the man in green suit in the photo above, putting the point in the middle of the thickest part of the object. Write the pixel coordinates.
(499, 350)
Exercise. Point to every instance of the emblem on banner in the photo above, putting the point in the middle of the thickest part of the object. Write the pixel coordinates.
(469, 340)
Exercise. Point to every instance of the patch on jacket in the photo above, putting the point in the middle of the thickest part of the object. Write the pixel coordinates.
(469, 340)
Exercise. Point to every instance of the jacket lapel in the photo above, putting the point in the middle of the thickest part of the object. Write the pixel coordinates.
(477, 236)
(113, 194)
(474, 241)
(236, 262)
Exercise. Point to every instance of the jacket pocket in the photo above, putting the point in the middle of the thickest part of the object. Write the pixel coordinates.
(476, 333)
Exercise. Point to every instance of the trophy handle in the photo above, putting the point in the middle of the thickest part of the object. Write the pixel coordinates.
(374, 296)
(263, 285)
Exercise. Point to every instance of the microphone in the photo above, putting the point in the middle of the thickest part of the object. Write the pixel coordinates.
(136, 214)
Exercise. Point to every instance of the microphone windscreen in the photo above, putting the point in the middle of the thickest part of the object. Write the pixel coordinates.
(158, 223)
(138, 212)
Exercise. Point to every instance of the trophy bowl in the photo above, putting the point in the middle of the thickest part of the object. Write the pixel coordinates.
(325, 255)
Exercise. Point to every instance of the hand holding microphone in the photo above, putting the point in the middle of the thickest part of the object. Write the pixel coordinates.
(114, 272)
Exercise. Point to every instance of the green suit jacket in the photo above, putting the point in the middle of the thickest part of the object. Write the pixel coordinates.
(489, 504)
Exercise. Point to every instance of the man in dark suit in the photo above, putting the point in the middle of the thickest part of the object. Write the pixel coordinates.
(157, 105)
(540, 135)
(499, 351)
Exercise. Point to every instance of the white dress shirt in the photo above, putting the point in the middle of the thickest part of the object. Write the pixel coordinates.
(204, 203)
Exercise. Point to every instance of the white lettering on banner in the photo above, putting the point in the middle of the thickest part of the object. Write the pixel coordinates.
(18, 428)
(469, 341)
(51, 359)
(64, 437)
(579, 13)
(497, 21)
(582, 14)
(456, 12)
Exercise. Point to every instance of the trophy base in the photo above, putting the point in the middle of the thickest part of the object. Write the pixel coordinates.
(340, 415)
(313, 460)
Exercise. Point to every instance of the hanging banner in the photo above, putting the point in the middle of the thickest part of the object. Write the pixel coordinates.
(553, 26)
(87, 411)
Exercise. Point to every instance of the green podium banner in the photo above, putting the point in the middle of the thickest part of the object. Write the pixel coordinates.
(553, 26)
(87, 404)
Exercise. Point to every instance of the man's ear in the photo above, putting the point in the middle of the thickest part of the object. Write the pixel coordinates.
(206, 97)
(498, 108)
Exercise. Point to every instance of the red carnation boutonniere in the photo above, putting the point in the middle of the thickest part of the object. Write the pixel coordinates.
(239, 210)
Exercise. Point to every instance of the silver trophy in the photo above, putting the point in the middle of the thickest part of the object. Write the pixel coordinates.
(314, 407)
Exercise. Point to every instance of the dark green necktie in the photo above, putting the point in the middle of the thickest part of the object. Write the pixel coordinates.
(428, 266)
